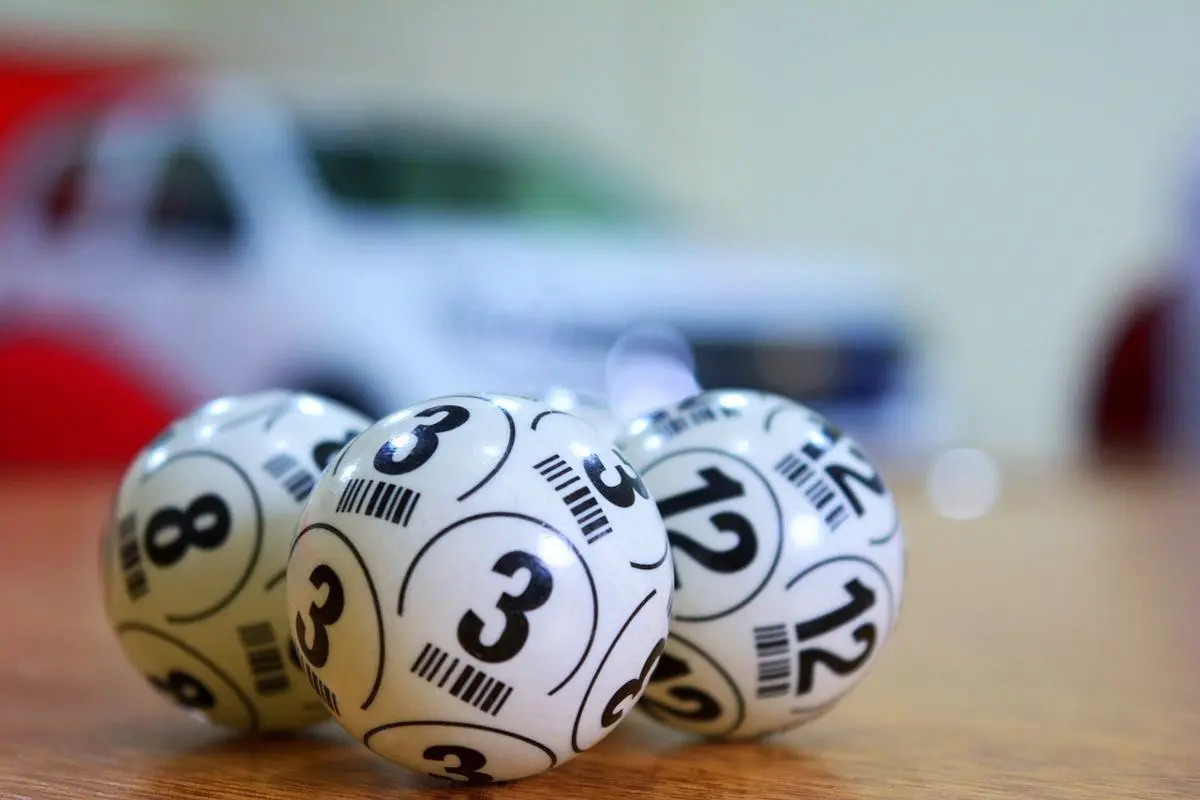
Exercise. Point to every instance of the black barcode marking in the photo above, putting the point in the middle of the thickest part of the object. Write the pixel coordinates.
(667, 425)
(324, 692)
(817, 491)
(774, 660)
(469, 684)
(836, 517)
(815, 450)
(296, 479)
(383, 500)
(130, 556)
(577, 495)
(265, 657)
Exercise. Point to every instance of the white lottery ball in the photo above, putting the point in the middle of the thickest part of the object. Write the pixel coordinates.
(196, 550)
(480, 587)
(789, 561)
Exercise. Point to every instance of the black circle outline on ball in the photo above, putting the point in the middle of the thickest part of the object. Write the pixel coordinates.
(342, 455)
(286, 405)
(790, 406)
(661, 560)
(127, 627)
(197, 616)
(536, 420)
(434, 723)
(596, 676)
(778, 517)
(712, 662)
(533, 425)
(512, 440)
(817, 711)
(412, 566)
(285, 398)
(275, 580)
(887, 537)
(374, 600)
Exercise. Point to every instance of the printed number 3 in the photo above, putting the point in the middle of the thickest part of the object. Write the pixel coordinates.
(630, 688)
(626, 491)
(514, 608)
(322, 616)
(426, 444)
(469, 763)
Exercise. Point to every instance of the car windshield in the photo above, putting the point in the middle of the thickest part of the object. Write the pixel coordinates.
(386, 167)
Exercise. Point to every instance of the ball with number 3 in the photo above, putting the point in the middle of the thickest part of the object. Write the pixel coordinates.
(480, 587)
(789, 561)
(195, 553)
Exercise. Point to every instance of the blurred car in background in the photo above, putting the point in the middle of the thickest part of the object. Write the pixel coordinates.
(219, 239)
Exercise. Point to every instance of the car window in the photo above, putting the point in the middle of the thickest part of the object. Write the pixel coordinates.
(382, 168)
(472, 183)
(382, 174)
(356, 174)
(190, 202)
(550, 188)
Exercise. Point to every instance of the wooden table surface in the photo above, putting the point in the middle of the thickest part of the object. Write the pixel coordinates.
(1047, 650)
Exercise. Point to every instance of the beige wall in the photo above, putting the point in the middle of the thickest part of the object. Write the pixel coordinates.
(1014, 160)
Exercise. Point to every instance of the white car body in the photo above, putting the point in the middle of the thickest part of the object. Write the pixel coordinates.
(397, 306)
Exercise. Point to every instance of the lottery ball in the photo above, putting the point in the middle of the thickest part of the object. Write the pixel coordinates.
(196, 550)
(480, 587)
(789, 561)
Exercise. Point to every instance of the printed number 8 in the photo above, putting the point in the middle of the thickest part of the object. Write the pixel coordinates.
(185, 690)
(205, 524)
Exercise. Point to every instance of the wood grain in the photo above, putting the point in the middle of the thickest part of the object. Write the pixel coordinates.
(1048, 650)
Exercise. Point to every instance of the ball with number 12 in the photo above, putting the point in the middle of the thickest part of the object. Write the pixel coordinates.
(789, 561)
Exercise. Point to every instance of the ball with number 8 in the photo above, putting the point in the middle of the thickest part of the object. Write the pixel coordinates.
(194, 556)
(789, 561)
(480, 587)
